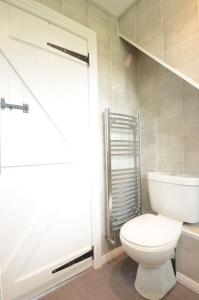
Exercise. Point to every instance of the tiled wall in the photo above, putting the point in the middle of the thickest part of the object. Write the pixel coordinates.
(169, 109)
(187, 257)
(168, 29)
(117, 68)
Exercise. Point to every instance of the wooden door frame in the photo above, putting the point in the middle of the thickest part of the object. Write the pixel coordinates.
(79, 30)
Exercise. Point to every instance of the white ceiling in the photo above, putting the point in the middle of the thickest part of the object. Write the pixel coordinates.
(115, 7)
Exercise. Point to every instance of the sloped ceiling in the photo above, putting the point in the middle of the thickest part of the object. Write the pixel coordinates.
(115, 7)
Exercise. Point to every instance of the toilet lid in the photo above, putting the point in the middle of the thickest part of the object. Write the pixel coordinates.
(151, 231)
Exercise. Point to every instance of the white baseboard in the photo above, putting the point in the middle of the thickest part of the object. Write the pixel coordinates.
(189, 283)
(111, 255)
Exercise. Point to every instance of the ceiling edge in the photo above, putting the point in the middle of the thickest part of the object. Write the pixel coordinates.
(103, 9)
(127, 9)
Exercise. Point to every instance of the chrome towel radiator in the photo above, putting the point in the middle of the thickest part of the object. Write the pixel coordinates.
(122, 163)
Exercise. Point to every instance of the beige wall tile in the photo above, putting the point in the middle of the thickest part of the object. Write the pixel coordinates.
(120, 83)
(170, 166)
(161, 70)
(180, 21)
(127, 24)
(187, 257)
(53, 4)
(78, 5)
(191, 149)
(105, 101)
(134, 104)
(148, 103)
(121, 61)
(133, 76)
(125, 103)
(104, 70)
(148, 26)
(190, 104)
(147, 68)
(148, 111)
(169, 139)
(76, 10)
(99, 21)
(185, 58)
(148, 149)
(146, 206)
(169, 96)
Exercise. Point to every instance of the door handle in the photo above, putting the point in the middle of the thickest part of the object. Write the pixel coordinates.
(24, 107)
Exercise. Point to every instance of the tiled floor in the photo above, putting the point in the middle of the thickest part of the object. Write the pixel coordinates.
(112, 282)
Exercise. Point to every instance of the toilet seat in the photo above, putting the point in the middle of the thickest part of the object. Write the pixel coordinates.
(145, 249)
(151, 231)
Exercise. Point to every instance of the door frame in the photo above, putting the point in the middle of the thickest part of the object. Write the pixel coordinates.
(89, 35)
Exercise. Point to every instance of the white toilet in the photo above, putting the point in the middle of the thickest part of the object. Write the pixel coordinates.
(150, 240)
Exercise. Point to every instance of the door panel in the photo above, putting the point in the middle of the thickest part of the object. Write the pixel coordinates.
(45, 213)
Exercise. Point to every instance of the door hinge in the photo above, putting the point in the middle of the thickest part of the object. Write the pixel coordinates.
(70, 52)
(74, 261)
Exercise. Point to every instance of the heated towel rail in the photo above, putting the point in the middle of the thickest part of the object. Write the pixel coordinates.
(122, 164)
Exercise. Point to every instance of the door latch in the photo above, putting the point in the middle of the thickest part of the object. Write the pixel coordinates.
(24, 107)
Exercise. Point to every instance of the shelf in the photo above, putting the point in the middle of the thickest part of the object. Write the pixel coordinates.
(191, 230)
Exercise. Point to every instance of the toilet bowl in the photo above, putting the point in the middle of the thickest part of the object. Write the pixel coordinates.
(150, 239)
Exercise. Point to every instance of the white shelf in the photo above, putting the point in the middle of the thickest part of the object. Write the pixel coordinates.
(191, 230)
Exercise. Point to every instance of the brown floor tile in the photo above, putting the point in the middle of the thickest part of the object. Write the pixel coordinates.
(114, 281)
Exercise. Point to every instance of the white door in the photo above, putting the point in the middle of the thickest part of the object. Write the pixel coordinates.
(45, 213)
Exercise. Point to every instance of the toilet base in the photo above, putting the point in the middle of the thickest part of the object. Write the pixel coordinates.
(155, 283)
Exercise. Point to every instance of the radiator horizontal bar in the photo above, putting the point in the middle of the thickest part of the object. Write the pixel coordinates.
(119, 118)
(123, 175)
(122, 154)
(124, 219)
(123, 125)
(125, 147)
(128, 207)
(120, 127)
(122, 141)
(124, 185)
(123, 199)
(123, 206)
(122, 122)
(122, 147)
(118, 209)
(122, 213)
(123, 193)
(122, 115)
(124, 180)
(118, 190)
(117, 225)
(116, 177)
(124, 170)
(118, 196)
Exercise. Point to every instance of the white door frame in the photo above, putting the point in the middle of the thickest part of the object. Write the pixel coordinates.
(60, 20)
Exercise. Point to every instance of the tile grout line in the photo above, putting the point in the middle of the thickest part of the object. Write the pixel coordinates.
(182, 108)
(156, 123)
(162, 31)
